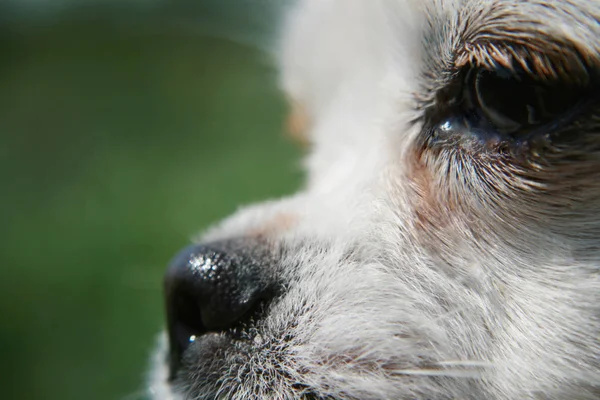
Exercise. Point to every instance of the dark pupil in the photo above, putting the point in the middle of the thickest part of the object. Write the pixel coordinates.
(514, 102)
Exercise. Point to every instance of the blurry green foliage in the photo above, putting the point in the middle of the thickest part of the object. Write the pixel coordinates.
(246, 21)
(115, 148)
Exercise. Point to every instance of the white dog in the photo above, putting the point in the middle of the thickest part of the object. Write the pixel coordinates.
(447, 242)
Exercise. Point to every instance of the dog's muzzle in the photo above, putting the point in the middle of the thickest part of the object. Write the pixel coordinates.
(213, 287)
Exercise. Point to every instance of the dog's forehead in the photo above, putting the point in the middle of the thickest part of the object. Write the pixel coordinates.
(549, 38)
(454, 26)
(333, 39)
(574, 20)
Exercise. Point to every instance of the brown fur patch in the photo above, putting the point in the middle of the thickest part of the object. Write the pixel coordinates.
(297, 124)
(276, 225)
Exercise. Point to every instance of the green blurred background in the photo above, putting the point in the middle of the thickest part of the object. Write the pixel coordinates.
(125, 128)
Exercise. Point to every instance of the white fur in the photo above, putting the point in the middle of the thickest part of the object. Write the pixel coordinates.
(372, 312)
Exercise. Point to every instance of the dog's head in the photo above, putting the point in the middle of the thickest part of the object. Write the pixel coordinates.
(447, 243)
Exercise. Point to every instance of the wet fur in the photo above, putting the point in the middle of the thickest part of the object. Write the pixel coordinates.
(413, 269)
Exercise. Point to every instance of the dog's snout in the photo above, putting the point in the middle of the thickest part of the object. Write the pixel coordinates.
(212, 288)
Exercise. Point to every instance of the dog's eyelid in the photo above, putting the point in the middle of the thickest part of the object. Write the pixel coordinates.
(551, 63)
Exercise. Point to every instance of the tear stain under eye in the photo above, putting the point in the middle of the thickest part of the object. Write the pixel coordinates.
(430, 211)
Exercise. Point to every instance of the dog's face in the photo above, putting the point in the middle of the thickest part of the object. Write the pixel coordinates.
(447, 243)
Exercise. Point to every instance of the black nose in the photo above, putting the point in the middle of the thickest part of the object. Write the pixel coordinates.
(211, 288)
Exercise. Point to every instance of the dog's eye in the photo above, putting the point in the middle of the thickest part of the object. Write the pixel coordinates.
(504, 104)
(514, 103)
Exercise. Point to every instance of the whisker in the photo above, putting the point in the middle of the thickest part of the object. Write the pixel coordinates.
(452, 313)
(466, 363)
(439, 372)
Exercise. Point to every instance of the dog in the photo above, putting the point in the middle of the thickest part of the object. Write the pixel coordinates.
(446, 244)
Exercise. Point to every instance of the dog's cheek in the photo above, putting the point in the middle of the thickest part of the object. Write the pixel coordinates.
(451, 201)
(458, 197)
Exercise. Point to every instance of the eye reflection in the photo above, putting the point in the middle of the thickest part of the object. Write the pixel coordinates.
(446, 126)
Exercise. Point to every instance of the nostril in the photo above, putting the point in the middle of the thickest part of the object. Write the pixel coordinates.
(187, 321)
(211, 288)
